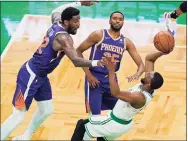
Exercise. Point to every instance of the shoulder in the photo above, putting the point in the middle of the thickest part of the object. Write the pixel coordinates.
(139, 96)
(63, 38)
(97, 33)
(95, 36)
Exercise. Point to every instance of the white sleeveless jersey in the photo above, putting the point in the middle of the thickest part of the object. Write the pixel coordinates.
(124, 110)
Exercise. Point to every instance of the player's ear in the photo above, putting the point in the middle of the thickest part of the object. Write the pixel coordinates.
(66, 23)
(148, 84)
(109, 21)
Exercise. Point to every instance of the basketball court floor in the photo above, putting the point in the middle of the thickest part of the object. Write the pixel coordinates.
(163, 119)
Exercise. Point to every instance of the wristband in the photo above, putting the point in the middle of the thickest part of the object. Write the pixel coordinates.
(94, 63)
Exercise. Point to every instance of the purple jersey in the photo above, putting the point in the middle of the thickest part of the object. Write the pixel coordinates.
(46, 59)
(110, 47)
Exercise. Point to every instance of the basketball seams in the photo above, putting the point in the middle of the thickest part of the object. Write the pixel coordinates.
(168, 41)
(160, 42)
(164, 42)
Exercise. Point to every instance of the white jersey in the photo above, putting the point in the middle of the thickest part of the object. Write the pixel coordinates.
(124, 110)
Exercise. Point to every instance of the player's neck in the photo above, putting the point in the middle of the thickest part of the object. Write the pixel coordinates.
(64, 27)
(113, 33)
(145, 88)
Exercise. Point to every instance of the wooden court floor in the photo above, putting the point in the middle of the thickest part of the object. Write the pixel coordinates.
(163, 119)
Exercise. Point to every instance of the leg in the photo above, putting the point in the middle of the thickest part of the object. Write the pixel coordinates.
(108, 101)
(93, 99)
(22, 99)
(97, 128)
(12, 122)
(45, 108)
(100, 139)
(79, 130)
(105, 128)
(170, 17)
(179, 11)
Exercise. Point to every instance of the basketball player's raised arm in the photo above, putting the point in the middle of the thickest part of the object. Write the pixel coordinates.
(137, 59)
(150, 60)
(92, 39)
(56, 13)
(137, 100)
(64, 42)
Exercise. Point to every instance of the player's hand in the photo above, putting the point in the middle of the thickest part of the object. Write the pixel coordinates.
(93, 82)
(109, 64)
(101, 63)
(88, 3)
(133, 77)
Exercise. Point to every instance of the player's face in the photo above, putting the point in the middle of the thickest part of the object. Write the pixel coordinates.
(116, 22)
(74, 24)
(148, 78)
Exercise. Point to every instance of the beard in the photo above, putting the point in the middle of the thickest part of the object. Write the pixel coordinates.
(142, 81)
(116, 29)
(71, 31)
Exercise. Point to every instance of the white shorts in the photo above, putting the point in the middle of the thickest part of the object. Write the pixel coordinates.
(109, 127)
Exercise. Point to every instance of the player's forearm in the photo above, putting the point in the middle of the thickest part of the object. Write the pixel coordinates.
(152, 57)
(141, 69)
(115, 90)
(86, 70)
(61, 8)
(80, 62)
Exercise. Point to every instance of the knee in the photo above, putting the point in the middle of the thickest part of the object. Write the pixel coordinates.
(46, 108)
(48, 111)
(19, 115)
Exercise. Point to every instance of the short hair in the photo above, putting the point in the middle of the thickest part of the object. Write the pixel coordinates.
(116, 12)
(68, 13)
(157, 81)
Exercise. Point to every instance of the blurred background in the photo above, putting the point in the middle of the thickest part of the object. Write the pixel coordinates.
(13, 12)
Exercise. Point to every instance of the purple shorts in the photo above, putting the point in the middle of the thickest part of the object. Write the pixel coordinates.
(99, 98)
(30, 86)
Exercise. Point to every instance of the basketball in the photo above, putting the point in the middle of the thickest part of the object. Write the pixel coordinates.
(164, 42)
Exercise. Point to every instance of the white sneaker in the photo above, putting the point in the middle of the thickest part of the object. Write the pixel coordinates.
(170, 23)
(21, 137)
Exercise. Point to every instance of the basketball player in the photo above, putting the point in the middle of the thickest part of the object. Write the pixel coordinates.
(170, 17)
(120, 120)
(32, 80)
(106, 42)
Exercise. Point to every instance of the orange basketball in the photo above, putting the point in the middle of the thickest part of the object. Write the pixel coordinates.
(164, 41)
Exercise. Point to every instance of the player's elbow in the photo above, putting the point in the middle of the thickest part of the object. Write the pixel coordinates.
(149, 58)
(116, 94)
(79, 51)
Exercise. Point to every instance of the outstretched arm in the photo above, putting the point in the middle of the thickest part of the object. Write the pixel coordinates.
(56, 13)
(150, 60)
(137, 100)
(137, 59)
(64, 42)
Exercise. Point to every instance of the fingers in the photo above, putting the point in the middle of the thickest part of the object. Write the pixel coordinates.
(94, 84)
(132, 78)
